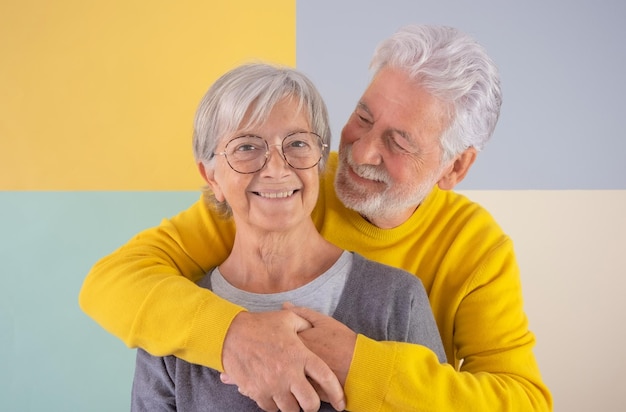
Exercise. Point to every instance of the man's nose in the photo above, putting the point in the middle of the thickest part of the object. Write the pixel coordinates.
(367, 149)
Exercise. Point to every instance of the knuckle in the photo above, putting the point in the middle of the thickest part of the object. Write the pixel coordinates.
(268, 405)
(309, 405)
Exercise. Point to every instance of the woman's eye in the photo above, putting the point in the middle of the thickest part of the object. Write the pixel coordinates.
(298, 144)
(246, 148)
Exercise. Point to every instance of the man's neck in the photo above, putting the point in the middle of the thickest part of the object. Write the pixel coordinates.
(391, 221)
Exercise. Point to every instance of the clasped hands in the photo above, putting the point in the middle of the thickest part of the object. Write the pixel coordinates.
(288, 360)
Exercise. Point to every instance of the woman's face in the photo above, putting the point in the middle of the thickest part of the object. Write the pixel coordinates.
(277, 197)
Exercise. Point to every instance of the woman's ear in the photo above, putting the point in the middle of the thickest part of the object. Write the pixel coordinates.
(209, 176)
(456, 172)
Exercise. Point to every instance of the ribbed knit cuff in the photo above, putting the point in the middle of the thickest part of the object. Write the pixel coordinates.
(370, 374)
(208, 332)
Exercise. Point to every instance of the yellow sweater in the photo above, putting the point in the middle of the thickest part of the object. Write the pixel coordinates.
(465, 261)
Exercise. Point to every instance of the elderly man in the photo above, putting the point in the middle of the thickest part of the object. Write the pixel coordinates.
(432, 104)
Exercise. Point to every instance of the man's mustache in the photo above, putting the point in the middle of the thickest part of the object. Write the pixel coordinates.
(371, 172)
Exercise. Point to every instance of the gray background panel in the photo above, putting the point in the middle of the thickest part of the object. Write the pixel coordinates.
(562, 68)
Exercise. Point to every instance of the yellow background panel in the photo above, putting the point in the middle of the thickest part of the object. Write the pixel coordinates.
(100, 95)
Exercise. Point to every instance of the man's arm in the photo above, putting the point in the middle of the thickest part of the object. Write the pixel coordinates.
(393, 376)
(144, 293)
(489, 334)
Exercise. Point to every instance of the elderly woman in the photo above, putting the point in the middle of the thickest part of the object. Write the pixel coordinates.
(261, 141)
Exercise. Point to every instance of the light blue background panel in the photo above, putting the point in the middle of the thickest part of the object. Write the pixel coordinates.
(52, 356)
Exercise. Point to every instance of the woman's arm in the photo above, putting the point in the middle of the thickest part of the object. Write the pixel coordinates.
(154, 384)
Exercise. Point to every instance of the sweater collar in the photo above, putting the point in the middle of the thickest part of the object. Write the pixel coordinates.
(417, 219)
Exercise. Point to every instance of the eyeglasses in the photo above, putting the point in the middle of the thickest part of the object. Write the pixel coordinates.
(250, 153)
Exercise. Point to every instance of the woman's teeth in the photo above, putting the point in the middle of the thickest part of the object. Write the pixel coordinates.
(276, 195)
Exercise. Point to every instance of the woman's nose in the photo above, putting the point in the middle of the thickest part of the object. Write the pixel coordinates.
(275, 158)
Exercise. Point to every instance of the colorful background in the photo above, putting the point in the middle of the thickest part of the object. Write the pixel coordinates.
(97, 101)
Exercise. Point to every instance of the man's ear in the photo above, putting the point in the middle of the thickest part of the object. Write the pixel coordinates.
(209, 176)
(456, 171)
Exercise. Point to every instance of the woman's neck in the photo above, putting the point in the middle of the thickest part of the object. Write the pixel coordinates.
(278, 261)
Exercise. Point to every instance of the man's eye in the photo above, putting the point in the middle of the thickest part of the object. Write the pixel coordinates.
(396, 143)
(362, 118)
(400, 144)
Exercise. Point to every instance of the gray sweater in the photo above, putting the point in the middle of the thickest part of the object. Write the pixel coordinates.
(378, 301)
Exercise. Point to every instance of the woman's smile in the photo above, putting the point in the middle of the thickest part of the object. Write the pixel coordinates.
(275, 195)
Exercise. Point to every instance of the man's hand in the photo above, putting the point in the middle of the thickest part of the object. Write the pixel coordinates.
(266, 359)
(329, 339)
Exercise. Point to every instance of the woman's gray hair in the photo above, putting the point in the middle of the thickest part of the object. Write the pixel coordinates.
(454, 68)
(250, 92)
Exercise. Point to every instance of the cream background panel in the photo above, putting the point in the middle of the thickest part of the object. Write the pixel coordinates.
(101, 95)
(571, 248)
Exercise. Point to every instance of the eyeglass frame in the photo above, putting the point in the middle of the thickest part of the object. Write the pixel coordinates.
(323, 146)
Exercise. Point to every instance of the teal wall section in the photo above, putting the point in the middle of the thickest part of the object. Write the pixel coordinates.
(52, 356)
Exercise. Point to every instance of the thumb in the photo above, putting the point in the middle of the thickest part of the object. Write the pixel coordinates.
(225, 378)
(309, 315)
(299, 323)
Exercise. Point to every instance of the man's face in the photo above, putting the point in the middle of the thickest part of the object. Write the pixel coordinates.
(389, 151)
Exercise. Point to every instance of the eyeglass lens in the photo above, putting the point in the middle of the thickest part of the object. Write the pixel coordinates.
(248, 154)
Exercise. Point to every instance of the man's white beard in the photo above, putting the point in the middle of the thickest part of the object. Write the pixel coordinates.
(384, 204)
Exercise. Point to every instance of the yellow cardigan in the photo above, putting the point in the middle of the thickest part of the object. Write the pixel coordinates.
(465, 261)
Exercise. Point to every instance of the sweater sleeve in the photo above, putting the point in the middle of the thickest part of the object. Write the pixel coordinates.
(144, 293)
(492, 350)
